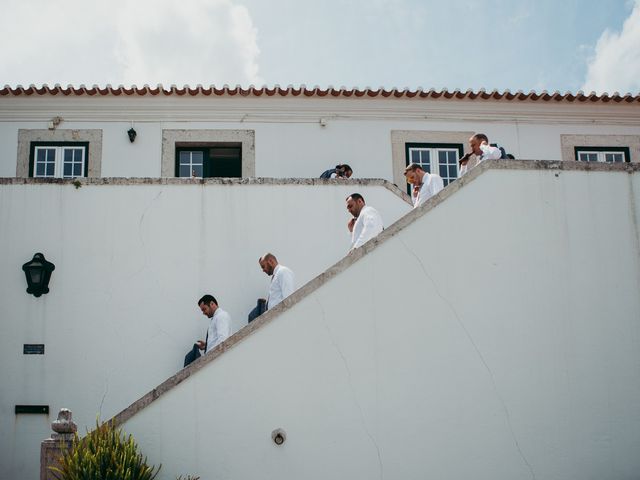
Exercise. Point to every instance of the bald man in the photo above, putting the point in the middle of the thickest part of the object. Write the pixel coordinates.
(282, 279)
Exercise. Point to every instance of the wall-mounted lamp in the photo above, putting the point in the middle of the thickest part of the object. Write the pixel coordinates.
(132, 134)
(323, 122)
(38, 273)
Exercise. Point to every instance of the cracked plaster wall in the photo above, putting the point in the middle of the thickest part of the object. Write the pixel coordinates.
(496, 337)
(132, 258)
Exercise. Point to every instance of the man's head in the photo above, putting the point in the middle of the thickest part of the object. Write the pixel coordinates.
(208, 305)
(268, 262)
(355, 203)
(344, 170)
(414, 173)
(475, 142)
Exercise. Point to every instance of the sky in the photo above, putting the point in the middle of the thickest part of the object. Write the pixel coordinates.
(552, 45)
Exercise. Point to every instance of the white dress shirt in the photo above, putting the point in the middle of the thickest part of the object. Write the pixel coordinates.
(488, 153)
(282, 285)
(367, 226)
(219, 329)
(431, 184)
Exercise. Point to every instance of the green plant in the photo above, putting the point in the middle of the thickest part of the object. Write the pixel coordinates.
(104, 454)
(77, 184)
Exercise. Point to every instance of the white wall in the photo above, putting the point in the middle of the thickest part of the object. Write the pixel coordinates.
(496, 337)
(289, 139)
(131, 262)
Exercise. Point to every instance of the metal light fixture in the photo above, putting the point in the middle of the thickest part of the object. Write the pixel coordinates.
(38, 273)
(132, 134)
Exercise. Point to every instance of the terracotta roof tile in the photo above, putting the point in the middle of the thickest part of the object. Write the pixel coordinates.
(146, 90)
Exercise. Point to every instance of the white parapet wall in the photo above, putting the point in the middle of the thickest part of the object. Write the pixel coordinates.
(132, 257)
(493, 334)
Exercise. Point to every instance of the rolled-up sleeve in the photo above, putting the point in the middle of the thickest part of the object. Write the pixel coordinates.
(490, 153)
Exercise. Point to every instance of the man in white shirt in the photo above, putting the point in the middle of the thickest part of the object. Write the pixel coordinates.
(479, 145)
(282, 279)
(366, 222)
(219, 325)
(425, 185)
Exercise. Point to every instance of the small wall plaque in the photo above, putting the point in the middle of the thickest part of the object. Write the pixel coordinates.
(33, 349)
(32, 409)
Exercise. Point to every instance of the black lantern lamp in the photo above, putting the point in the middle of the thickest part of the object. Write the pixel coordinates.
(38, 272)
(132, 134)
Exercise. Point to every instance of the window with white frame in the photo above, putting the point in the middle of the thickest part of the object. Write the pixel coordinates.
(440, 158)
(209, 160)
(602, 154)
(191, 163)
(61, 160)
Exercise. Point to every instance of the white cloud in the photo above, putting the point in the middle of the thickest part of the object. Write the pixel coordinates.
(130, 42)
(616, 63)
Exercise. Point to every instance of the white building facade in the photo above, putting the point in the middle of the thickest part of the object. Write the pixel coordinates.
(136, 239)
(297, 133)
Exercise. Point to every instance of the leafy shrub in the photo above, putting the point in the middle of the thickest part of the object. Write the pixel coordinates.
(104, 454)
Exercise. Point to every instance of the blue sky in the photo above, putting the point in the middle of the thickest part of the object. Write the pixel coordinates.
(526, 44)
(493, 44)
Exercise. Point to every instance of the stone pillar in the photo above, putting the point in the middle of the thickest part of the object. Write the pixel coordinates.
(61, 440)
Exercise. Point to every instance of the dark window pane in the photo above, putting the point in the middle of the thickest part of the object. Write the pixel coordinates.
(415, 156)
(77, 169)
(197, 170)
(68, 155)
(185, 157)
(225, 162)
(40, 169)
(196, 157)
(443, 170)
(50, 169)
(68, 169)
(185, 171)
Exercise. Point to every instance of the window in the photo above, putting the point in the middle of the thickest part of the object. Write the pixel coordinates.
(602, 154)
(440, 158)
(220, 160)
(57, 163)
(223, 153)
(58, 160)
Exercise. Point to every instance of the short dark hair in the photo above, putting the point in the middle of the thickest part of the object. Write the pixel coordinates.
(207, 299)
(413, 167)
(344, 166)
(356, 197)
(482, 137)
